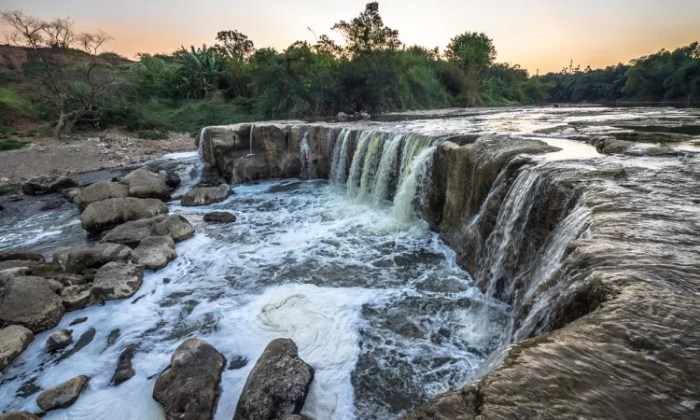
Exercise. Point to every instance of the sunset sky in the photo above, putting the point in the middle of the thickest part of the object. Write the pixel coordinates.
(537, 34)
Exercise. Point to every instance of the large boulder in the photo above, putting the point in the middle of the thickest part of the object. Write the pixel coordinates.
(30, 301)
(62, 395)
(13, 340)
(47, 185)
(201, 196)
(117, 281)
(155, 251)
(77, 260)
(188, 388)
(278, 384)
(109, 213)
(131, 233)
(143, 183)
(100, 191)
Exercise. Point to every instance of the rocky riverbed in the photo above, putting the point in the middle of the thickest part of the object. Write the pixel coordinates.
(457, 264)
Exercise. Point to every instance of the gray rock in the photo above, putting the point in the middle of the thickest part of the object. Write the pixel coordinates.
(100, 191)
(29, 301)
(47, 185)
(19, 415)
(201, 196)
(188, 388)
(13, 341)
(59, 340)
(131, 233)
(70, 279)
(76, 297)
(172, 179)
(146, 184)
(155, 251)
(220, 217)
(109, 213)
(52, 204)
(78, 260)
(12, 272)
(21, 256)
(125, 370)
(62, 395)
(278, 384)
(117, 281)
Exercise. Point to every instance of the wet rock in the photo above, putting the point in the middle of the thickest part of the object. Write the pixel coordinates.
(278, 384)
(188, 388)
(18, 415)
(13, 341)
(52, 204)
(117, 281)
(125, 370)
(80, 320)
(172, 179)
(70, 279)
(155, 251)
(100, 191)
(201, 196)
(29, 301)
(76, 297)
(59, 340)
(143, 183)
(220, 217)
(109, 213)
(13, 272)
(21, 256)
(78, 260)
(62, 395)
(131, 233)
(47, 185)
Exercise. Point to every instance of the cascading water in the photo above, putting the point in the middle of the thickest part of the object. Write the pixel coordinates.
(409, 187)
(308, 171)
(250, 140)
(339, 163)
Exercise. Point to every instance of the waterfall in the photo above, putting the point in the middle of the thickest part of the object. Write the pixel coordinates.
(387, 168)
(307, 164)
(356, 166)
(419, 170)
(339, 163)
(200, 165)
(250, 141)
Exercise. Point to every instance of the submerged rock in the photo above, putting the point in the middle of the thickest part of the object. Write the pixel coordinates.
(172, 179)
(143, 183)
(52, 204)
(155, 251)
(30, 301)
(109, 213)
(117, 281)
(18, 415)
(188, 388)
(77, 260)
(220, 217)
(278, 384)
(59, 340)
(131, 233)
(62, 395)
(13, 341)
(21, 256)
(201, 196)
(47, 185)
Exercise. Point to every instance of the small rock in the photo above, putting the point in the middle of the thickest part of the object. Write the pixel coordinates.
(47, 185)
(13, 341)
(201, 196)
(219, 217)
(125, 370)
(62, 395)
(131, 233)
(29, 301)
(52, 204)
(59, 340)
(188, 388)
(117, 281)
(76, 297)
(80, 320)
(155, 251)
(109, 213)
(19, 415)
(278, 384)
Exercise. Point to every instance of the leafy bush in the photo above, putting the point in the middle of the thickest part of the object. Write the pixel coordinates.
(12, 144)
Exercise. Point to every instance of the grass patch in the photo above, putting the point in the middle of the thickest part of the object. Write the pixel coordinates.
(12, 101)
(12, 144)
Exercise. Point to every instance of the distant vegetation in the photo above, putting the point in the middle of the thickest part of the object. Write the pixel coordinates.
(63, 79)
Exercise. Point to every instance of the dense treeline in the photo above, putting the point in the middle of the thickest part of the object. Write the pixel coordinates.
(231, 80)
(665, 77)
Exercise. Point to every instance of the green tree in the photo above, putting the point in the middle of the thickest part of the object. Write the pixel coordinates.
(199, 71)
(367, 32)
(234, 45)
(474, 53)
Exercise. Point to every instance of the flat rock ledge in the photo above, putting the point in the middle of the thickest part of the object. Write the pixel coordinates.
(278, 384)
(62, 395)
(188, 388)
